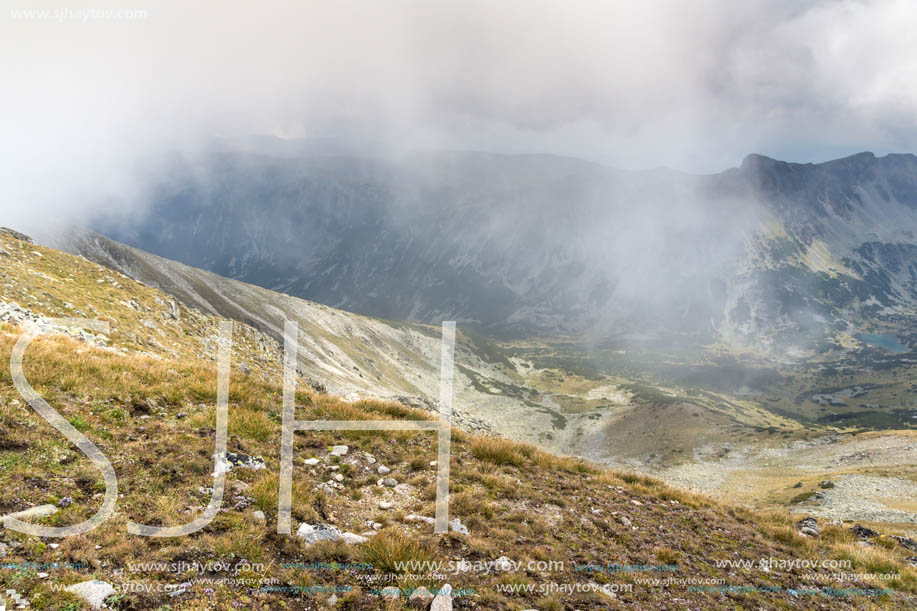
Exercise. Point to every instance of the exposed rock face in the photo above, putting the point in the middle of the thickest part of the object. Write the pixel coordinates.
(15, 234)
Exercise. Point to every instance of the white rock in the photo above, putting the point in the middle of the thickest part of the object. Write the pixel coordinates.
(313, 534)
(42, 575)
(386, 505)
(443, 600)
(383, 470)
(457, 526)
(311, 461)
(259, 515)
(339, 450)
(41, 511)
(338, 477)
(415, 518)
(93, 592)
(352, 539)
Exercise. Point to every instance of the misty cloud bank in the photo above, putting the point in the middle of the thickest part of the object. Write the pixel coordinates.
(694, 85)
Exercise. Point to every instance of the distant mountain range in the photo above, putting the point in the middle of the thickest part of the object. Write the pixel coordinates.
(784, 258)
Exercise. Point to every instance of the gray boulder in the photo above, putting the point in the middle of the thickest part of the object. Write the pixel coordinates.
(808, 526)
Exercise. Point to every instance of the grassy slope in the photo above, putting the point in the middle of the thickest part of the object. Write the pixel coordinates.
(152, 416)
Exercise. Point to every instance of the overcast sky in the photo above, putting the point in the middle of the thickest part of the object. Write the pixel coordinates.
(694, 85)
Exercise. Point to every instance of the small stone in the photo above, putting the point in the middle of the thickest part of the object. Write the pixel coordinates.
(434, 463)
(389, 482)
(333, 600)
(352, 539)
(383, 470)
(42, 575)
(386, 505)
(313, 534)
(457, 526)
(863, 533)
(626, 522)
(259, 515)
(808, 526)
(311, 461)
(377, 526)
(339, 450)
(338, 477)
(244, 461)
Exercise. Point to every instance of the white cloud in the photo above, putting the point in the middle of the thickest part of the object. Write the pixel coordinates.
(695, 85)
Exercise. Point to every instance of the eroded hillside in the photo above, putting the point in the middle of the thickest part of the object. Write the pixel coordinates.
(149, 406)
